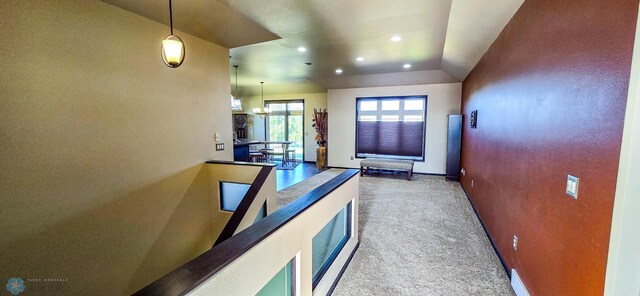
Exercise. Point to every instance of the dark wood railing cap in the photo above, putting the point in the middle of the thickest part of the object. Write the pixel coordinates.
(246, 202)
(240, 163)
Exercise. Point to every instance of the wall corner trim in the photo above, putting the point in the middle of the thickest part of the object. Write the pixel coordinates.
(518, 285)
(623, 261)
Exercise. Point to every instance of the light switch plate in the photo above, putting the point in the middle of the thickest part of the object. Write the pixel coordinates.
(572, 186)
(216, 136)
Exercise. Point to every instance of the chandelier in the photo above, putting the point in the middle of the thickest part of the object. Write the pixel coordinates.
(262, 111)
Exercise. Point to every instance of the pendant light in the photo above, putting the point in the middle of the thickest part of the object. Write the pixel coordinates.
(172, 47)
(236, 103)
(262, 111)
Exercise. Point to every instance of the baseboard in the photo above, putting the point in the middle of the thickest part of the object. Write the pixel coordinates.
(484, 227)
(429, 174)
(339, 167)
(518, 285)
(344, 267)
(357, 168)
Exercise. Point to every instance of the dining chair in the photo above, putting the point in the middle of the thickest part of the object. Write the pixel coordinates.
(291, 155)
(278, 151)
(267, 152)
(257, 156)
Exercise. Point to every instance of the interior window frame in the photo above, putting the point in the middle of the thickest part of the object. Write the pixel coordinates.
(401, 112)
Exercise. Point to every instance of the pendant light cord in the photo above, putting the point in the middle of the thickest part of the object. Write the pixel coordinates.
(236, 66)
(262, 84)
(170, 17)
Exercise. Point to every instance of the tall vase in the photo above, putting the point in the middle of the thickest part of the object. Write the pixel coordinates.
(321, 157)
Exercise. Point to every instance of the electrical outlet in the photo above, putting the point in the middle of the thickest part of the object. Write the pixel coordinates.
(219, 146)
(515, 242)
(463, 172)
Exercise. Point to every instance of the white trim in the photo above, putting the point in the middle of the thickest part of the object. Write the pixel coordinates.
(332, 274)
(518, 285)
(623, 264)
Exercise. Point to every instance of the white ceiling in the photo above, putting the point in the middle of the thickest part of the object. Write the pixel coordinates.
(441, 39)
(473, 26)
(213, 20)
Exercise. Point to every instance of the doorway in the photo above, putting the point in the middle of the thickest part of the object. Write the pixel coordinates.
(286, 123)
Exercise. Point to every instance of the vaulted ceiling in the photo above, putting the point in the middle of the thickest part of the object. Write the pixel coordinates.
(442, 40)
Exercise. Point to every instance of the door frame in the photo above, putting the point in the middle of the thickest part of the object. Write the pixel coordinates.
(286, 132)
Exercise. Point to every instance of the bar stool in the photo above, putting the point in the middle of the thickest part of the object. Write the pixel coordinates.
(291, 155)
(278, 152)
(268, 154)
(256, 156)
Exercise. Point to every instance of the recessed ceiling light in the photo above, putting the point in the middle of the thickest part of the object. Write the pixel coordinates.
(406, 66)
(302, 49)
(338, 71)
(396, 38)
(359, 59)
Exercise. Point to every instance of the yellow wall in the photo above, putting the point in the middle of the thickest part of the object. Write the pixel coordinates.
(218, 173)
(102, 145)
(312, 100)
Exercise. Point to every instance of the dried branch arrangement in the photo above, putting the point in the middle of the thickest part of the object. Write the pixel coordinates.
(320, 124)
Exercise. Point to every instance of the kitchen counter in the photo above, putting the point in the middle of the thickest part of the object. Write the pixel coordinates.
(245, 142)
(241, 149)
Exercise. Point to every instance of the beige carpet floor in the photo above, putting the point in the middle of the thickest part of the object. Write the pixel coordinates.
(417, 237)
(294, 191)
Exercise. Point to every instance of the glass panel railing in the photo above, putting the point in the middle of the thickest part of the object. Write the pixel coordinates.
(281, 284)
(328, 243)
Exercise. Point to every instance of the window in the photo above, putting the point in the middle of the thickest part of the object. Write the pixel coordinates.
(368, 118)
(413, 118)
(392, 127)
(286, 123)
(327, 244)
(369, 105)
(414, 105)
(231, 194)
(389, 118)
(283, 283)
(390, 105)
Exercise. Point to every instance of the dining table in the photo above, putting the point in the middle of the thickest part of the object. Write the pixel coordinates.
(241, 147)
(285, 146)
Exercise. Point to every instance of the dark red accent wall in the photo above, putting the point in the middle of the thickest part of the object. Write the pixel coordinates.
(550, 94)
